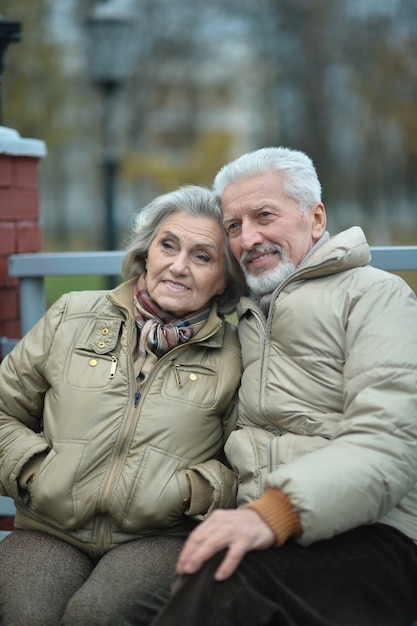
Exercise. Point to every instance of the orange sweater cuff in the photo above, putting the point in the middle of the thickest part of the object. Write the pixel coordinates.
(277, 511)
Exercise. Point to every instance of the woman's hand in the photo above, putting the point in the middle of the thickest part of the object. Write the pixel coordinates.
(238, 530)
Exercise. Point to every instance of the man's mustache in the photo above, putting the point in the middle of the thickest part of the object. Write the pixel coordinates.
(248, 255)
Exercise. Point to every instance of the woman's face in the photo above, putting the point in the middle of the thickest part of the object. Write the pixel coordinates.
(186, 264)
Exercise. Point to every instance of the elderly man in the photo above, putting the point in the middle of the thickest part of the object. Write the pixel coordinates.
(326, 445)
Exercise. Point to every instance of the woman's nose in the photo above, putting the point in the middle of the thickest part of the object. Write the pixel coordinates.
(179, 265)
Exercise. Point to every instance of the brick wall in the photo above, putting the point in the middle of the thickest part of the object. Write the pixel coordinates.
(19, 217)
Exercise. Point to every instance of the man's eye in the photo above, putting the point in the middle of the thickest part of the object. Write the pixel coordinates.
(264, 214)
(232, 229)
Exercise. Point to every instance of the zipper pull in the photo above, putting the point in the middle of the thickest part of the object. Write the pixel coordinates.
(177, 374)
(113, 366)
(137, 398)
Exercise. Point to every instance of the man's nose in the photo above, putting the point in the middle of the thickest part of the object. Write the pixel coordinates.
(251, 236)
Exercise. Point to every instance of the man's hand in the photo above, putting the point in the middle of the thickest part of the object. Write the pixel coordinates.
(238, 530)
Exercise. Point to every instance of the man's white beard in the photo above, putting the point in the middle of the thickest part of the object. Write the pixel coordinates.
(266, 281)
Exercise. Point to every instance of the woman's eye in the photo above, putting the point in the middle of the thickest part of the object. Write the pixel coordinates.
(204, 258)
(167, 245)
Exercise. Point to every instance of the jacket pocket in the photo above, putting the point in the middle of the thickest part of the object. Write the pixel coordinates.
(53, 491)
(198, 383)
(159, 496)
(93, 364)
(88, 370)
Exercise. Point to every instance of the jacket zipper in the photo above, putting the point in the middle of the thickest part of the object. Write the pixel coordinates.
(124, 437)
(177, 367)
(113, 366)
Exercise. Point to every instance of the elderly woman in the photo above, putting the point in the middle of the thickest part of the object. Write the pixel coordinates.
(114, 410)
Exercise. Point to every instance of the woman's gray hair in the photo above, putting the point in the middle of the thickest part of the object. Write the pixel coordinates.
(193, 200)
(300, 179)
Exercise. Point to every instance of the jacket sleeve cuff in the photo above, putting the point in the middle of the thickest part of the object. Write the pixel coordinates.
(201, 495)
(277, 511)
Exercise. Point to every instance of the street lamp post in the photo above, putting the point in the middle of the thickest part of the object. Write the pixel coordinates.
(112, 42)
(9, 33)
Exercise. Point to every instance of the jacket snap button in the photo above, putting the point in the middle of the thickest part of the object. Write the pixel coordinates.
(105, 331)
(193, 377)
(31, 479)
(92, 362)
(101, 344)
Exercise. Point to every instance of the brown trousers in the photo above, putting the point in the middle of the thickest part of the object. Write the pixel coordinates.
(47, 582)
(365, 577)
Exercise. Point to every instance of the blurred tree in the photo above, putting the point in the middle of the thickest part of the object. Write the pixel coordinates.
(207, 155)
(46, 95)
(182, 91)
(384, 76)
(36, 90)
(336, 79)
(343, 88)
(298, 37)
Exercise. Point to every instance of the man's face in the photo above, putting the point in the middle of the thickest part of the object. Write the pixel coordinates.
(268, 233)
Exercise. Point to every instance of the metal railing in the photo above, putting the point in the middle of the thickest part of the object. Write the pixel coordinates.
(32, 268)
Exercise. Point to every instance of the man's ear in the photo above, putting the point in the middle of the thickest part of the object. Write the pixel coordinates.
(318, 223)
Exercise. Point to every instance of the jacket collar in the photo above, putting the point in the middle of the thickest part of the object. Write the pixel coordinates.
(346, 250)
(210, 335)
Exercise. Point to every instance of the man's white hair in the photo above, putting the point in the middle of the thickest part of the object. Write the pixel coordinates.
(300, 178)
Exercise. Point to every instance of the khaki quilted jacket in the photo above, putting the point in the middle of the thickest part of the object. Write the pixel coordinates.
(328, 400)
(110, 466)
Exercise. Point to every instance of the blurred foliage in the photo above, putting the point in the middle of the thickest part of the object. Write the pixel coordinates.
(207, 154)
(410, 278)
(36, 91)
(56, 286)
(346, 92)
(336, 79)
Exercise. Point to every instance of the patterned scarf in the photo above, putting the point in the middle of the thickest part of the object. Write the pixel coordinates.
(159, 331)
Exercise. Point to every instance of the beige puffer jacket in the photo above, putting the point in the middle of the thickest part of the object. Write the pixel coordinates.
(328, 400)
(111, 466)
